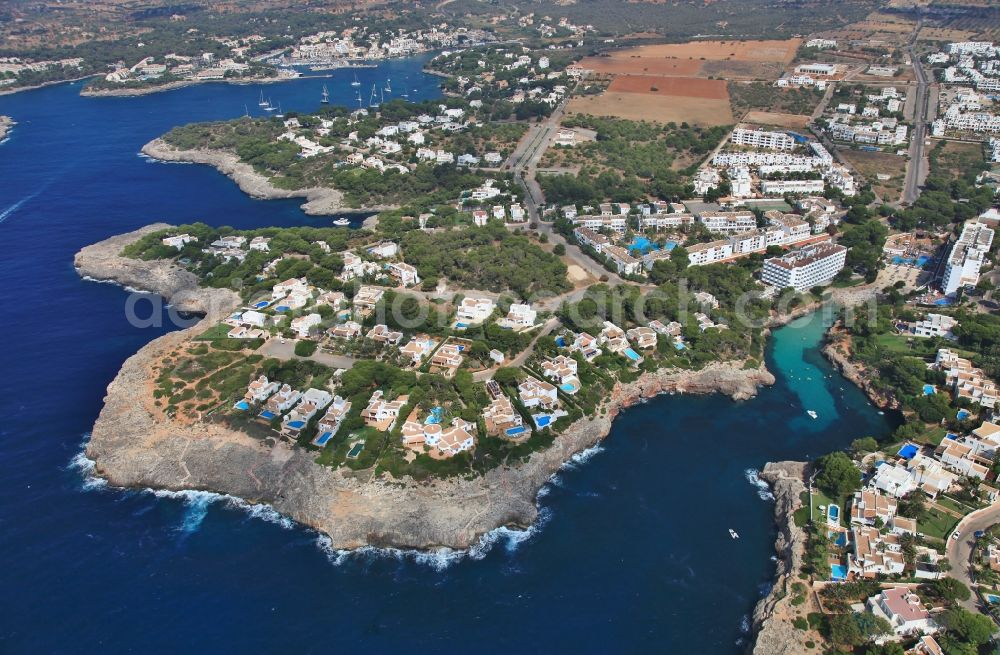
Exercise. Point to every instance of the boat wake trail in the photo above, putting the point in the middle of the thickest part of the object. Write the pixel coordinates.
(763, 489)
(7, 213)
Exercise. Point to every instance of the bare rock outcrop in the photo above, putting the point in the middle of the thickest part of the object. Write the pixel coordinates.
(772, 618)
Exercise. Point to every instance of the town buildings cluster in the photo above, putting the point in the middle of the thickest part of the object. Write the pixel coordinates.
(971, 72)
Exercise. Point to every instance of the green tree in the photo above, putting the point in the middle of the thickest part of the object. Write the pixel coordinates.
(864, 445)
(837, 475)
(967, 626)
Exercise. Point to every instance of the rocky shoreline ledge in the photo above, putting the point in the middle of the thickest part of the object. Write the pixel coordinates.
(132, 448)
(772, 617)
(6, 125)
(169, 86)
(320, 201)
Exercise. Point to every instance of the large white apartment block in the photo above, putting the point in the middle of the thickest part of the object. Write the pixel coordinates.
(728, 222)
(967, 257)
(805, 267)
(816, 69)
(614, 223)
(781, 187)
(665, 221)
(587, 237)
(763, 139)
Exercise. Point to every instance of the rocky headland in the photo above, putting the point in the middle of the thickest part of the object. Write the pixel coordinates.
(133, 446)
(772, 617)
(320, 201)
(6, 124)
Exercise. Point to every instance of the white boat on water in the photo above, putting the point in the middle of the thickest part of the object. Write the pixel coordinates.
(733, 534)
(812, 413)
(355, 82)
(341, 222)
(269, 106)
(263, 103)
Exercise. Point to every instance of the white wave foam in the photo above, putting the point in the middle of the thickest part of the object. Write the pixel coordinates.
(86, 467)
(763, 488)
(745, 624)
(582, 457)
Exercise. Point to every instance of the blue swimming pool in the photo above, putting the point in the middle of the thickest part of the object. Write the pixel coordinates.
(542, 420)
(515, 432)
(944, 301)
(908, 451)
(282, 308)
(952, 436)
(839, 538)
(992, 599)
(262, 304)
(631, 354)
(838, 572)
(679, 346)
(642, 244)
(963, 414)
(323, 438)
(928, 389)
(267, 414)
(669, 245)
(567, 387)
(296, 425)
(242, 406)
(434, 417)
(560, 342)
(833, 514)
(461, 326)
(920, 261)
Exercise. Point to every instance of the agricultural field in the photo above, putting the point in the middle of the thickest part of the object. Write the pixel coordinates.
(670, 86)
(776, 119)
(872, 164)
(766, 98)
(955, 158)
(781, 51)
(650, 107)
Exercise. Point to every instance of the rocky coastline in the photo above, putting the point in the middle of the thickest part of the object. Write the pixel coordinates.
(772, 617)
(841, 360)
(320, 201)
(129, 92)
(6, 125)
(132, 447)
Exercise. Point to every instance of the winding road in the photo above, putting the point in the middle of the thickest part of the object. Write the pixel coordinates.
(959, 551)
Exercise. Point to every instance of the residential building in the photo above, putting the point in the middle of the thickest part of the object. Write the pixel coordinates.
(281, 401)
(934, 325)
(346, 330)
(302, 325)
(405, 273)
(501, 417)
(418, 348)
(380, 413)
(472, 310)
(763, 139)
(260, 389)
(448, 357)
(519, 316)
(875, 554)
(536, 393)
(806, 267)
(335, 414)
(904, 611)
(179, 241)
(965, 380)
(643, 337)
(587, 237)
(728, 222)
(382, 334)
(869, 505)
(623, 262)
(967, 257)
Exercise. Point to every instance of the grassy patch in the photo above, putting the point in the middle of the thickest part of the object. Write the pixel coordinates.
(214, 333)
(937, 524)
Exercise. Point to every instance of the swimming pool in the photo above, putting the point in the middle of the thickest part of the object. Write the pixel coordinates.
(631, 354)
(267, 414)
(262, 304)
(944, 301)
(963, 414)
(992, 599)
(908, 451)
(560, 342)
(568, 387)
(838, 572)
(833, 514)
(839, 538)
(542, 420)
(323, 438)
(928, 389)
(461, 326)
(515, 432)
(296, 425)
(356, 450)
(242, 405)
(282, 308)
(643, 245)
(434, 417)
(679, 346)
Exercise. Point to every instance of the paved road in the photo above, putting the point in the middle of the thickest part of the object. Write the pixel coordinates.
(916, 168)
(959, 551)
(286, 351)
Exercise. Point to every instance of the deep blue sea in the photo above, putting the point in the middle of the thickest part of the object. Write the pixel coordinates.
(632, 554)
